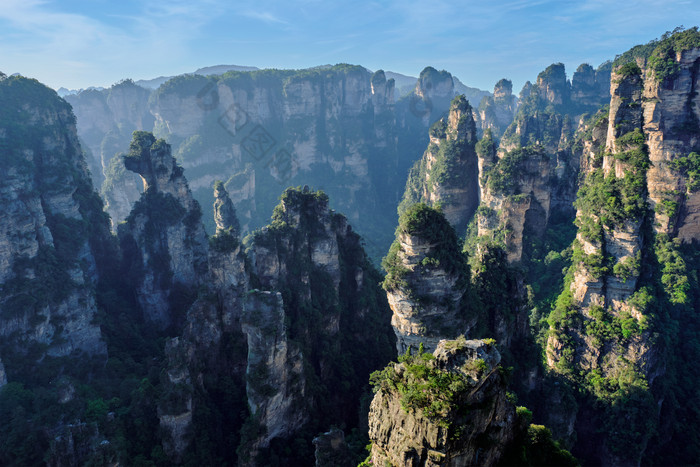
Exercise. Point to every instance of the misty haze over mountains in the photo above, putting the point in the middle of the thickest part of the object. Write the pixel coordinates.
(404, 84)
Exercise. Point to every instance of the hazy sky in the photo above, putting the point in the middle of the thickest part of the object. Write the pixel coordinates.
(76, 43)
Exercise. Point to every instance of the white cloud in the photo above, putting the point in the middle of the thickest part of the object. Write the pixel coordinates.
(76, 50)
(264, 16)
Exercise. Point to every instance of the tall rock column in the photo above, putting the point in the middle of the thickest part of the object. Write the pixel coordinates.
(496, 113)
(316, 325)
(163, 235)
(427, 278)
(447, 174)
(224, 211)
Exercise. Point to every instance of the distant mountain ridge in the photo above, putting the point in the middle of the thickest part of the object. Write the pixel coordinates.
(404, 83)
(154, 83)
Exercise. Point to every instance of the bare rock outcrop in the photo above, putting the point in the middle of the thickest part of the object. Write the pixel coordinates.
(224, 211)
(497, 112)
(275, 385)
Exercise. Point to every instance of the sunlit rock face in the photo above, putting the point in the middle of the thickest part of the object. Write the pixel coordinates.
(406, 435)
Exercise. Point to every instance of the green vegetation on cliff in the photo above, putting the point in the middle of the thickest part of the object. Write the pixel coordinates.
(448, 163)
(336, 363)
(423, 386)
(427, 225)
(660, 54)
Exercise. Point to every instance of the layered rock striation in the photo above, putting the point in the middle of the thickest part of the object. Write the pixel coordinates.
(608, 331)
(427, 280)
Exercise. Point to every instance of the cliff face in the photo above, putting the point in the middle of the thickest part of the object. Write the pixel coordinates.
(516, 195)
(52, 232)
(334, 127)
(208, 361)
(670, 116)
(630, 215)
(261, 131)
(471, 426)
(275, 382)
(163, 235)
(447, 174)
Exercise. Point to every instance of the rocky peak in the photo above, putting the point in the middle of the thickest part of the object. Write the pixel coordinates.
(427, 276)
(433, 84)
(417, 431)
(584, 77)
(165, 224)
(460, 121)
(300, 207)
(224, 211)
(382, 89)
(552, 84)
(503, 90)
(496, 113)
(311, 255)
(152, 159)
(590, 87)
(303, 222)
(446, 176)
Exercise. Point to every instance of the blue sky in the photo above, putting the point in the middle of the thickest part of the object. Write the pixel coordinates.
(75, 43)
